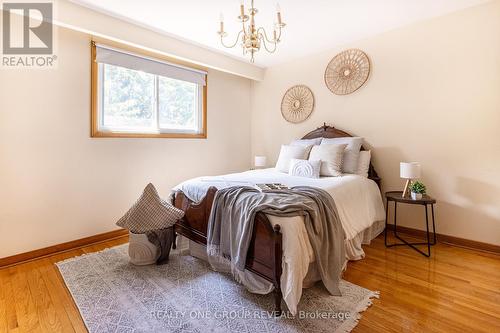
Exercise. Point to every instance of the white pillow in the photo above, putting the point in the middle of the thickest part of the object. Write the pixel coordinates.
(306, 142)
(330, 157)
(351, 154)
(289, 152)
(364, 163)
(304, 168)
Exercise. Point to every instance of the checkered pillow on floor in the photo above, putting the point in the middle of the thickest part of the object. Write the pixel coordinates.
(150, 212)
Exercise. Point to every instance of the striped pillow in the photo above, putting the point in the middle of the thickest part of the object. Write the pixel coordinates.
(150, 212)
(304, 168)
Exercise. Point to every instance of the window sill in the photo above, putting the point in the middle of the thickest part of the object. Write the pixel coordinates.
(102, 134)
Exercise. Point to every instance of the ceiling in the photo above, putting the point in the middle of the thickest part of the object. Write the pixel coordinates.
(312, 25)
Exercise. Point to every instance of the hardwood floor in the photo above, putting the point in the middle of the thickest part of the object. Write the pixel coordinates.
(456, 290)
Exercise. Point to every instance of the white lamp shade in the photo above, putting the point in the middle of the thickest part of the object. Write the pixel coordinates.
(260, 161)
(409, 170)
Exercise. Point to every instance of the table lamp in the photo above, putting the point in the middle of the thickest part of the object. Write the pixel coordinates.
(409, 171)
(260, 162)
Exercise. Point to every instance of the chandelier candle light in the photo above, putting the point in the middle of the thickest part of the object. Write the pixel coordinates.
(253, 38)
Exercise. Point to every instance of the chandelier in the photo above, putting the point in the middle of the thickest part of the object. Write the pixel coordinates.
(251, 37)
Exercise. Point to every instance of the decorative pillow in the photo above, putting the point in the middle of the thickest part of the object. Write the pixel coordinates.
(330, 157)
(289, 152)
(364, 163)
(306, 142)
(304, 168)
(150, 212)
(351, 154)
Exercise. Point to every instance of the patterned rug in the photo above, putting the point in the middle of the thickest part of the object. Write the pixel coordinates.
(185, 295)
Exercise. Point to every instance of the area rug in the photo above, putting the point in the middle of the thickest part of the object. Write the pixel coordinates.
(185, 295)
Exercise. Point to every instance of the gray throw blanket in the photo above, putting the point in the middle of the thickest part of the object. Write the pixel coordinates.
(162, 239)
(232, 217)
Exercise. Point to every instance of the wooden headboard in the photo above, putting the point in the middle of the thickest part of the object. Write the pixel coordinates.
(331, 132)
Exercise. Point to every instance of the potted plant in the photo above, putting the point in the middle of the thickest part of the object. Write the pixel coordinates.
(417, 190)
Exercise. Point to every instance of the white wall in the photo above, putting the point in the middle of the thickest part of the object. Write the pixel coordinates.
(57, 184)
(433, 97)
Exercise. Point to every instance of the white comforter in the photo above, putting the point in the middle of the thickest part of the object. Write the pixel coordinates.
(358, 202)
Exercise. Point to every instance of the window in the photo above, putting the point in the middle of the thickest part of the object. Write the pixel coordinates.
(137, 96)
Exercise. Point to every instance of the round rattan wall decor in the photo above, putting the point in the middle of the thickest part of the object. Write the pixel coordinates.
(347, 72)
(297, 104)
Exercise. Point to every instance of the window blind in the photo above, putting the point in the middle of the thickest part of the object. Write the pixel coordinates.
(111, 56)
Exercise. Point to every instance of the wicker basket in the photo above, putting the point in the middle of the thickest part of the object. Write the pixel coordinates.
(141, 251)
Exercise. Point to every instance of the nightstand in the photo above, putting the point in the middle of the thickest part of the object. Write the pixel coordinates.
(426, 201)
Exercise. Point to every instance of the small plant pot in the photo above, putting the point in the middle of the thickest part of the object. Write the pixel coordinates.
(416, 196)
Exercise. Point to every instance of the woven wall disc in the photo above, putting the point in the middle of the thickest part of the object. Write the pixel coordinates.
(297, 104)
(347, 72)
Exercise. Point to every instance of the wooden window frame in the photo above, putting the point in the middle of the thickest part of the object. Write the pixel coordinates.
(94, 117)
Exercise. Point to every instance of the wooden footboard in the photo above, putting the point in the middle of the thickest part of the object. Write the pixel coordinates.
(265, 251)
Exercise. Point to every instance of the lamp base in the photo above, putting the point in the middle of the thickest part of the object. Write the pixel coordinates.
(406, 190)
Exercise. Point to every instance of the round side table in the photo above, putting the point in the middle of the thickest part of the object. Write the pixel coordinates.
(397, 197)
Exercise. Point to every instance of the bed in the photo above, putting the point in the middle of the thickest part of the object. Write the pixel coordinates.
(280, 256)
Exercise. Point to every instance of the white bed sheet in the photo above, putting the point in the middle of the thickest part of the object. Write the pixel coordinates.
(359, 205)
